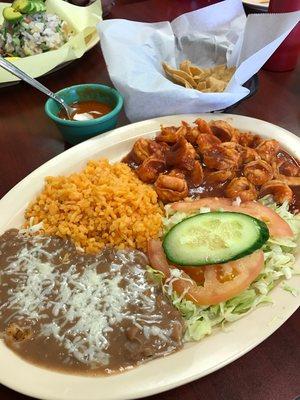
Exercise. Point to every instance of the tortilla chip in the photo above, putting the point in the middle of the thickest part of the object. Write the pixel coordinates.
(179, 79)
(172, 71)
(223, 74)
(216, 85)
(214, 79)
(201, 86)
(185, 66)
(204, 75)
(196, 70)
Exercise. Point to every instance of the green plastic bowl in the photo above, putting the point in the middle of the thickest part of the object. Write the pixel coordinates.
(77, 131)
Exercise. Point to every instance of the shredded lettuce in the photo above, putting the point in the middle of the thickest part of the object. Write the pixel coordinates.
(279, 264)
(156, 276)
(290, 289)
(200, 321)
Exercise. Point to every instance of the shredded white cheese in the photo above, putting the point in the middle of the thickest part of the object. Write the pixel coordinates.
(89, 302)
(237, 202)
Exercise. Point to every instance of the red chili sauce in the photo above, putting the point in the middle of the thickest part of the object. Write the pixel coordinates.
(285, 156)
(218, 189)
(86, 110)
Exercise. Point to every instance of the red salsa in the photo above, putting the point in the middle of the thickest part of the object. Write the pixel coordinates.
(86, 110)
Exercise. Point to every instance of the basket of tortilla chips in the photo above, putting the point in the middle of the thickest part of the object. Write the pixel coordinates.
(203, 61)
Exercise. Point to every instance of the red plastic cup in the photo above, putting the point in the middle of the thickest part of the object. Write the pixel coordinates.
(286, 56)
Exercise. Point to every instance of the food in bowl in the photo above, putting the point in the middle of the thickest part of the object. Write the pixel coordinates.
(83, 128)
(111, 276)
(86, 110)
(28, 30)
(206, 80)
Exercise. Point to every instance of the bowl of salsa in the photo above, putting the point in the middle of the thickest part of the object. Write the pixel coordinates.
(96, 106)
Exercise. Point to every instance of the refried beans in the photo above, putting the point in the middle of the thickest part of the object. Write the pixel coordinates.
(82, 313)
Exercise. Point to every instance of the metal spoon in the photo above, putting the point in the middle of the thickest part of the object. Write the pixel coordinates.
(8, 66)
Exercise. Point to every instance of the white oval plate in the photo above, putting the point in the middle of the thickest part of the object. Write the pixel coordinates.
(196, 359)
(257, 4)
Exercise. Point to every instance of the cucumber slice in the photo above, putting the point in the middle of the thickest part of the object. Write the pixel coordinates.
(214, 238)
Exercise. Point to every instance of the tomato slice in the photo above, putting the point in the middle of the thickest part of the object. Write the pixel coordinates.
(196, 273)
(277, 226)
(218, 283)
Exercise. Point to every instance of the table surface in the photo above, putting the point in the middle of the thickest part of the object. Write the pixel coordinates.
(28, 139)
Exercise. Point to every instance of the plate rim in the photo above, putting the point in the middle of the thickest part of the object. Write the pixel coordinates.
(147, 124)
